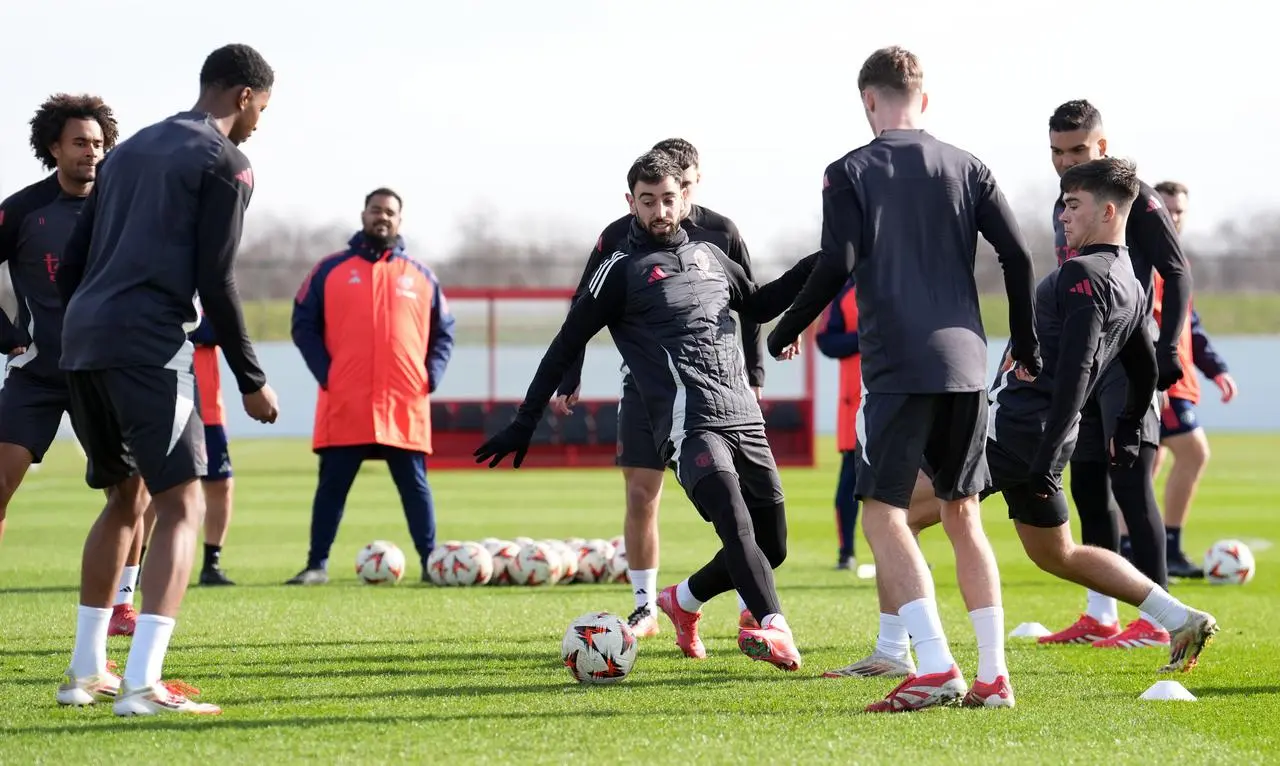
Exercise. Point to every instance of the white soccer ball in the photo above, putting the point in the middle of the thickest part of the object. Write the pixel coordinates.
(522, 541)
(618, 542)
(568, 557)
(598, 648)
(1229, 562)
(575, 542)
(618, 565)
(537, 564)
(503, 553)
(436, 562)
(593, 561)
(468, 564)
(380, 563)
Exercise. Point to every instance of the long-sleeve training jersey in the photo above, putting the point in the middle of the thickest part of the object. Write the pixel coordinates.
(1153, 244)
(667, 307)
(902, 215)
(716, 229)
(35, 224)
(163, 222)
(1090, 312)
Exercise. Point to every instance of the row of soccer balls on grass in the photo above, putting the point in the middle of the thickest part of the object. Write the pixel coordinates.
(522, 561)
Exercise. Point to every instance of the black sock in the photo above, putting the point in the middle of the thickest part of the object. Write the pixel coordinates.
(212, 555)
(1126, 547)
(1173, 541)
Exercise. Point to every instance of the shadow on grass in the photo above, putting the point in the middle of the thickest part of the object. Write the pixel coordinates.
(1233, 691)
(37, 589)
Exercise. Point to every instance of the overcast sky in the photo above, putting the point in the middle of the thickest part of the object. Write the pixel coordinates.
(534, 110)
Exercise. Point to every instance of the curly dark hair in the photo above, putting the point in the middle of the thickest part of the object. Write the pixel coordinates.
(52, 116)
(237, 66)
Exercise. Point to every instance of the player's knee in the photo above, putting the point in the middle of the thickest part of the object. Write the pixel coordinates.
(1193, 454)
(1047, 552)
(644, 488)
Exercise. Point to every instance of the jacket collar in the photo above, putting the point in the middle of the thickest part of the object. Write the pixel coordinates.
(639, 239)
(361, 246)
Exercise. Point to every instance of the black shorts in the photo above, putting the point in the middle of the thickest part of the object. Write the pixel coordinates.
(636, 447)
(217, 454)
(1009, 462)
(745, 453)
(31, 408)
(1098, 418)
(138, 420)
(898, 433)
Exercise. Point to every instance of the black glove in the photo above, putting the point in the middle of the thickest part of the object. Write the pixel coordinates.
(1168, 368)
(514, 438)
(1044, 484)
(1126, 443)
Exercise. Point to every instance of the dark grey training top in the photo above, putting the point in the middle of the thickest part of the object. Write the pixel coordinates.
(667, 307)
(1090, 312)
(163, 222)
(902, 215)
(35, 224)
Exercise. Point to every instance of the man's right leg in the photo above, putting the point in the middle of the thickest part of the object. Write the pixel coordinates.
(219, 491)
(1181, 435)
(30, 415)
(642, 471)
(896, 430)
(1046, 536)
(338, 469)
(846, 510)
(124, 617)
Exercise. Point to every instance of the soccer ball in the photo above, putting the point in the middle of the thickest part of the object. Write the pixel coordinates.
(593, 561)
(504, 554)
(537, 564)
(568, 559)
(436, 565)
(1228, 562)
(380, 563)
(618, 565)
(598, 648)
(468, 564)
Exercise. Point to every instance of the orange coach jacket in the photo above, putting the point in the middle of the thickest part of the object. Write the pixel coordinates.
(838, 339)
(208, 376)
(375, 331)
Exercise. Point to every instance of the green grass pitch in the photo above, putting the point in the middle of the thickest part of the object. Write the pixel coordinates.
(349, 673)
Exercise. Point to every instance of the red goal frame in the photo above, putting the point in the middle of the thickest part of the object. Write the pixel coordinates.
(461, 419)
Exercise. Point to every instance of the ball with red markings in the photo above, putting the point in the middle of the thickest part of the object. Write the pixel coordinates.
(1229, 562)
(380, 563)
(598, 648)
(468, 564)
(593, 561)
(537, 564)
(504, 553)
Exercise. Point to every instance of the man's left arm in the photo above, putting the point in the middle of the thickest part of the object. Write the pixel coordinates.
(1206, 357)
(440, 337)
(1150, 231)
(842, 225)
(752, 338)
(1078, 292)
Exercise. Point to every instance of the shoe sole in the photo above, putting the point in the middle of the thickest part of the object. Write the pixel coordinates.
(870, 674)
(759, 649)
(1192, 657)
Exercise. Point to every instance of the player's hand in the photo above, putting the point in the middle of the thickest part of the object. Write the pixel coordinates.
(1227, 385)
(17, 351)
(1023, 374)
(1162, 400)
(1126, 443)
(564, 403)
(1030, 362)
(1169, 369)
(262, 405)
(514, 438)
(790, 352)
(1044, 485)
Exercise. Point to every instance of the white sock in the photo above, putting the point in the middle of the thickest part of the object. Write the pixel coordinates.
(685, 598)
(644, 585)
(1151, 620)
(988, 625)
(775, 620)
(742, 605)
(1103, 608)
(920, 618)
(893, 639)
(90, 655)
(151, 637)
(128, 583)
(1164, 610)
